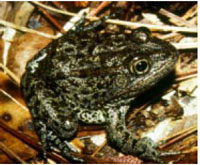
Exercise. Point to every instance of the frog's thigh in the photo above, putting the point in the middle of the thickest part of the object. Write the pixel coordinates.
(92, 117)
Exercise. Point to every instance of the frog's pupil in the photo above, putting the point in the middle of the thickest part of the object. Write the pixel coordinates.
(141, 66)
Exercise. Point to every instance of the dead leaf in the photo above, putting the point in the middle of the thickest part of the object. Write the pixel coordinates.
(24, 48)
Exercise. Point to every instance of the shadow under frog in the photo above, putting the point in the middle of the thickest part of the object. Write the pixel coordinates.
(93, 77)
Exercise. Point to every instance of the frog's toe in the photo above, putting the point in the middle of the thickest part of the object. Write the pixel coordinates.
(145, 148)
(66, 129)
(66, 148)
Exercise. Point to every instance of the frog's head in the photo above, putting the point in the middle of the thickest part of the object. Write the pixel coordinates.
(150, 61)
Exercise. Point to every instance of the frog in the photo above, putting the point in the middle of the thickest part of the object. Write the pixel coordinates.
(89, 76)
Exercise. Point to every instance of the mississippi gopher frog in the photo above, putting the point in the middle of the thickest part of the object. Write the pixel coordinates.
(90, 76)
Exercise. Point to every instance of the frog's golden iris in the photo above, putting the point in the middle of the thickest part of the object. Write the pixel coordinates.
(140, 66)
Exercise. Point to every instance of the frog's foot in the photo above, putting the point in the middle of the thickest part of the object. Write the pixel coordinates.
(65, 125)
(66, 148)
(45, 138)
(51, 141)
(126, 141)
(145, 148)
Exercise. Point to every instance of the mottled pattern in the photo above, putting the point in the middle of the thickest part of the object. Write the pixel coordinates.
(92, 77)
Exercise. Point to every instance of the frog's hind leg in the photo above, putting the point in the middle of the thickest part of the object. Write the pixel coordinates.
(126, 141)
(53, 120)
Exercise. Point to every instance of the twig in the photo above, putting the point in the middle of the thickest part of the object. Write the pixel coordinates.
(186, 77)
(25, 29)
(192, 91)
(8, 37)
(52, 20)
(11, 154)
(189, 144)
(57, 4)
(10, 73)
(179, 136)
(179, 133)
(125, 23)
(191, 12)
(90, 133)
(175, 17)
(170, 35)
(53, 9)
(186, 73)
(193, 149)
(194, 20)
(13, 99)
(32, 142)
(185, 45)
(153, 27)
(118, 22)
(99, 8)
(99, 148)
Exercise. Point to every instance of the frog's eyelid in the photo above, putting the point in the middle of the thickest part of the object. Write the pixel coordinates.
(143, 34)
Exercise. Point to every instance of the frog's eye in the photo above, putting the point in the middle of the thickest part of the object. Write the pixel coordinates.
(140, 66)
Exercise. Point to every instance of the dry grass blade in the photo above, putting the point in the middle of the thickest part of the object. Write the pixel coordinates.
(175, 18)
(181, 46)
(11, 154)
(126, 23)
(169, 35)
(25, 29)
(99, 8)
(13, 99)
(11, 74)
(52, 20)
(153, 27)
(191, 12)
(32, 142)
(99, 148)
(180, 135)
(183, 74)
(53, 9)
(183, 78)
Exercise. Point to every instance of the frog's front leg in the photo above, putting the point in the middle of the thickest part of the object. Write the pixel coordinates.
(126, 141)
(52, 118)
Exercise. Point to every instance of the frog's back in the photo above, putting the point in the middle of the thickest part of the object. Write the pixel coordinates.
(91, 69)
(85, 70)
